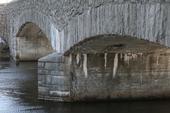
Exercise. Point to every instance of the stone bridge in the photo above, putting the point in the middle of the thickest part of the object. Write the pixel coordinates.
(93, 49)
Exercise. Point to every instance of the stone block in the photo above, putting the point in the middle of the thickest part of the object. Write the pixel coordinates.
(51, 66)
(64, 87)
(43, 91)
(60, 93)
(60, 80)
(57, 73)
(41, 64)
(53, 58)
(43, 71)
(48, 79)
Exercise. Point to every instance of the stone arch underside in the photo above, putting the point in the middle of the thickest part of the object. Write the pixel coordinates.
(31, 43)
(110, 43)
(41, 21)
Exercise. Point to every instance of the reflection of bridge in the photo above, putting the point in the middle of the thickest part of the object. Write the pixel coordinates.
(93, 49)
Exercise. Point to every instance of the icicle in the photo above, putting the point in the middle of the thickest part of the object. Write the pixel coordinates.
(70, 59)
(78, 58)
(126, 58)
(157, 60)
(115, 66)
(121, 55)
(134, 56)
(141, 54)
(85, 65)
(141, 79)
(105, 60)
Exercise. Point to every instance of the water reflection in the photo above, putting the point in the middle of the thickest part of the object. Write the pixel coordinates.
(18, 94)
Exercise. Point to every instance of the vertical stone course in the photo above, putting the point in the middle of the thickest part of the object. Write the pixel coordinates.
(3, 23)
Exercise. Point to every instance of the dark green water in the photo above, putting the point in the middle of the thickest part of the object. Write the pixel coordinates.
(18, 94)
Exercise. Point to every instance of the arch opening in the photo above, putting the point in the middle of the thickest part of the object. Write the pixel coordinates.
(31, 43)
(110, 43)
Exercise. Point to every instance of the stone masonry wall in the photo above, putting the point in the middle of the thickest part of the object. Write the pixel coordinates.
(53, 80)
(3, 23)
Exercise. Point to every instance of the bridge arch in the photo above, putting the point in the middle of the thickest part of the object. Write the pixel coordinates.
(111, 43)
(32, 43)
(40, 21)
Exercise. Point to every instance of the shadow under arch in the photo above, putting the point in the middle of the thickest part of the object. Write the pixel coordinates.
(31, 43)
(112, 43)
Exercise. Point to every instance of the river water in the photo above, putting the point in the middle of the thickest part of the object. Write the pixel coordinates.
(18, 94)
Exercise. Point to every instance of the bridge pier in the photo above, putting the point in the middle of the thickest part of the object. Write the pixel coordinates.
(101, 76)
(53, 80)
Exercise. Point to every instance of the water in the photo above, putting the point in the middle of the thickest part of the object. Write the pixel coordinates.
(18, 94)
